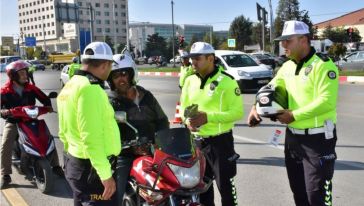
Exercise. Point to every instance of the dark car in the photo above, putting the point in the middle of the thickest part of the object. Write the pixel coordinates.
(37, 64)
(264, 59)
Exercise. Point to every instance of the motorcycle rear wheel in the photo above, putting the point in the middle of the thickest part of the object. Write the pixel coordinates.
(43, 175)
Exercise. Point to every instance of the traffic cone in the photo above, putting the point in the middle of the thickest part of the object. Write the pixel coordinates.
(177, 116)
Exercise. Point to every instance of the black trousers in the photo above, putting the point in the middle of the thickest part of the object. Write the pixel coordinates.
(85, 183)
(310, 161)
(123, 167)
(221, 165)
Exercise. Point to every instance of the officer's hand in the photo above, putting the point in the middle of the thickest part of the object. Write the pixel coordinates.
(5, 112)
(285, 116)
(109, 188)
(253, 118)
(198, 120)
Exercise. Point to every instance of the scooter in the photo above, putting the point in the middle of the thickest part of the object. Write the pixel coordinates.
(169, 172)
(35, 146)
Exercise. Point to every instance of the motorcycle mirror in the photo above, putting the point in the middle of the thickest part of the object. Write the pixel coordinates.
(52, 95)
(120, 116)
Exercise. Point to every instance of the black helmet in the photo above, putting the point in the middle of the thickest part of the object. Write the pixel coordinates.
(270, 99)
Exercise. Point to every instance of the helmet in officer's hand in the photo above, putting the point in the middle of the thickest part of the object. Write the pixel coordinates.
(270, 99)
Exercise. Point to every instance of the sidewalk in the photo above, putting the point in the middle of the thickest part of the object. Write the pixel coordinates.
(342, 79)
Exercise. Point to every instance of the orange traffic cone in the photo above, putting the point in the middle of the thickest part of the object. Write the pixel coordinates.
(177, 116)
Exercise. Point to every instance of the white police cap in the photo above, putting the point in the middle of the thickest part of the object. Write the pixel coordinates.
(293, 28)
(201, 48)
(101, 50)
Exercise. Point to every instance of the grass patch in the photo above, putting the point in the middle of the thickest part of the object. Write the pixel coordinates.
(162, 69)
(351, 73)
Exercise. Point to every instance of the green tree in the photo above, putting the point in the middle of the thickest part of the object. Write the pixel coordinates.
(337, 50)
(108, 41)
(169, 53)
(215, 39)
(155, 45)
(241, 30)
(193, 40)
(38, 52)
(340, 35)
(256, 36)
(29, 51)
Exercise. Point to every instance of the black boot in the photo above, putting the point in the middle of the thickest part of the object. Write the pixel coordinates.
(5, 181)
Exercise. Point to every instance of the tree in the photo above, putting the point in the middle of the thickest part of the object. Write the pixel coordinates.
(29, 51)
(155, 45)
(169, 53)
(337, 50)
(193, 40)
(306, 18)
(215, 39)
(38, 52)
(256, 36)
(241, 30)
(340, 35)
(109, 42)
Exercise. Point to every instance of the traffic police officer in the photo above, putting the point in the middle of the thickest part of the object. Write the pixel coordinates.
(73, 67)
(219, 105)
(186, 68)
(88, 129)
(311, 83)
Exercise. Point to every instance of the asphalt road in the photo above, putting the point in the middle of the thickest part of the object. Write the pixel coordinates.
(261, 178)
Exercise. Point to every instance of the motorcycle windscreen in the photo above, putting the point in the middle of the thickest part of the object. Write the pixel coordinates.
(175, 142)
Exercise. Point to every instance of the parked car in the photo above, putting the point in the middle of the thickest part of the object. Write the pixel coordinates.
(140, 60)
(177, 59)
(264, 59)
(37, 64)
(64, 76)
(248, 73)
(152, 60)
(5, 60)
(353, 61)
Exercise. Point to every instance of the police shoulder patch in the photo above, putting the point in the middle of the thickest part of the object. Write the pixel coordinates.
(331, 74)
(237, 91)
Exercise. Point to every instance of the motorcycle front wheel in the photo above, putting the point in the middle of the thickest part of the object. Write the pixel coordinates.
(43, 175)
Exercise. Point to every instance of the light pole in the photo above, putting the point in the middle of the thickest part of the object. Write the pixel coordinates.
(173, 40)
(113, 17)
(127, 25)
(44, 43)
(271, 26)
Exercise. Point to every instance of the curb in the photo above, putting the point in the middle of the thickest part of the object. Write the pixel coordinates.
(342, 79)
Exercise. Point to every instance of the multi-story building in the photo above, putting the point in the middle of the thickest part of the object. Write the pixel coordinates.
(58, 25)
(139, 32)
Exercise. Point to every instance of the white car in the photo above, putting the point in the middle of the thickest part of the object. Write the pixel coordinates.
(64, 76)
(248, 74)
(177, 59)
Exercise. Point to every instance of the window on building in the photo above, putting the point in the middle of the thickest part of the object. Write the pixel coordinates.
(20, 21)
(123, 6)
(19, 7)
(26, 5)
(106, 13)
(52, 15)
(51, 7)
(36, 34)
(98, 13)
(43, 17)
(36, 26)
(116, 13)
(42, 9)
(117, 30)
(48, 24)
(107, 30)
(87, 12)
(99, 30)
(49, 32)
(52, 23)
(115, 5)
(22, 6)
(116, 22)
(27, 20)
(80, 3)
(106, 5)
(40, 33)
(47, 8)
(81, 21)
(30, 11)
(31, 27)
(42, 1)
(47, 16)
(98, 21)
(53, 32)
(27, 12)
(39, 10)
(97, 4)
(35, 11)
(107, 21)
(123, 14)
(80, 12)
(25, 28)
(19, 14)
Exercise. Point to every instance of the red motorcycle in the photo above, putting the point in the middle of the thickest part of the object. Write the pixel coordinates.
(34, 148)
(169, 172)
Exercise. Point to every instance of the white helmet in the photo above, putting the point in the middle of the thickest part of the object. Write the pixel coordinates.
(100, 50)
(270, 99)
(124, 62)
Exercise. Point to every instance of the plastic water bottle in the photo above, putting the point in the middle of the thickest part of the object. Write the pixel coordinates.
(274, 140)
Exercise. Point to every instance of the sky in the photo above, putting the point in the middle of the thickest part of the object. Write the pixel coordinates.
(218, 13)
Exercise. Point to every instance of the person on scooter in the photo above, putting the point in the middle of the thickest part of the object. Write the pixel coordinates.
(17, 91)
(142, 108)
(73, 67)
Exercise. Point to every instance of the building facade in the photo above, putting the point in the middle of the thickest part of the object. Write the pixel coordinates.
(139, 32)
(58, 25)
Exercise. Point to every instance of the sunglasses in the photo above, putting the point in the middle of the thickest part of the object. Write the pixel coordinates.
(118, 74)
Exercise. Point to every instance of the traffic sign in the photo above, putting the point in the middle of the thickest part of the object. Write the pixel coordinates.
(231, 43)
(30, 41)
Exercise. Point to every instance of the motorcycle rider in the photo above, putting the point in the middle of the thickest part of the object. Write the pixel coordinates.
(142, 108)
(17, 91)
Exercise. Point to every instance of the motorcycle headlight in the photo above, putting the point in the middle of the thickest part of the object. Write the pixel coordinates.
(245, 74)
(32, 113)
(187, 177)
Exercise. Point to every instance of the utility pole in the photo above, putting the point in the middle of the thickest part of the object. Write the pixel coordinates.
(114, 24)
(271, 27)
(91, 21)
(127, 26)
(44, 33)
(210, 34)
(173, 41)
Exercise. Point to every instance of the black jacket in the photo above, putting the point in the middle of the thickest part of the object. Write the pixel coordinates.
(147, 117)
